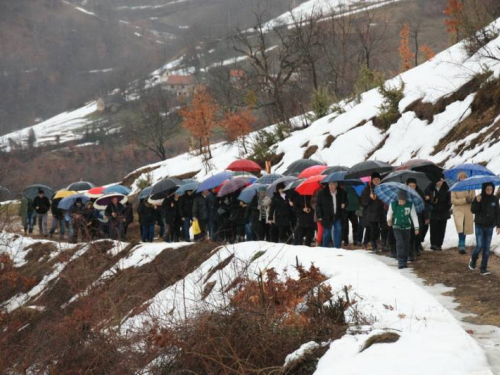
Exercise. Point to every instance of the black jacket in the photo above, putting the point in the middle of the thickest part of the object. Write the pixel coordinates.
(128, 212)
(440, 202)
(170, 209)
(373, 210)
(280, 211)
(118, 210)
(237, 215)
(487, 211)
(56, 212)
(324, 206)
(186, 206)
(147, 215)
(43, 205)
(76, 210)
(212, 205)
(304, 219)
(200, 207)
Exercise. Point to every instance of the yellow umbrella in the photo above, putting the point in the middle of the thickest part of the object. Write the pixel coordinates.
(64, 194)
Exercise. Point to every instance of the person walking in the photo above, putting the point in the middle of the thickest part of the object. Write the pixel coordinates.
(78, 221)
(213, 206)
(402, 217)
(57, 218)
(114, 213)
(304, 228)
(147, 218)
(330, 207)
(41, 205)
(462, 214)
(200, 213)
(352, 207)
(487, 210)
(374, 214)
(280, 213)
(27, 213)
(439, 198)
(170, 208)
(423, 219)
(128, 213)
(258, 212)
(186, 210)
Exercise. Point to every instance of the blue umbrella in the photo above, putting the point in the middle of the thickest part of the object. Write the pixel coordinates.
(272, 188)
(189, 181)
(146, 192)
(249, 192)
(120, 189)
(388, 193)
(191, 186)
(66, 203)
(470, 169)
(340, 178)
(359, 189)
(268, 179)
(214, 181)
(475, 183)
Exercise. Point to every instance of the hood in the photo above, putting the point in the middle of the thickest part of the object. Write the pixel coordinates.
(485, 185)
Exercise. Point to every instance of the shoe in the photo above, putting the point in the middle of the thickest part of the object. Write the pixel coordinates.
(401, 267)
(462, 251)
(434, 247)
(484, 273)
(472, 264)
(439, 248)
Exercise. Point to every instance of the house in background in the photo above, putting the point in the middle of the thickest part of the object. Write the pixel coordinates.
(180, 86)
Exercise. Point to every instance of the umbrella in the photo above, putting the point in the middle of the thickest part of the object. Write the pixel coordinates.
(244, 165)
(214, 181)
(32, 191)
(337, 168)
(470, 169)
(64, 194)
(95, 192)
(310, 185)
(164, 187)
(80, 186)
(423, 181)
(366, 168)
(312, 171)
(146, 192)
(66, 203)
(294, 184)
(268, 179)
(299, 165)
(475, 183)
(388, 193)
(430, 169)
(233, 185)
(104, 201)
(191, 186)
(249, 192)
(272, 188)
(120, 189)
(340, 178)
(243, 174)
(189, 181)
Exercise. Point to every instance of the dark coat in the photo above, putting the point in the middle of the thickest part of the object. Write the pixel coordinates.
(324, 206)
(118, 210)
(237, 215)
(76, 210)
(128, 212)
(170, 209)
(440, 202)
(147, 215)
(43, 205)
(487, 211)
(200, 207)
(304, 219)
(212, 205)
(186, 206)
(56, 212)
(280, 211)
(373, 210)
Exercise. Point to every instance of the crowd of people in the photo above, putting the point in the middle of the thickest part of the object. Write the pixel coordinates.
(336, 215)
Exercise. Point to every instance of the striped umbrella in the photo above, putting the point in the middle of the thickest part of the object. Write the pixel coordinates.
(388, 193)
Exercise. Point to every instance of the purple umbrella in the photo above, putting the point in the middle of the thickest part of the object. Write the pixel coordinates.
(234, 185)
(104, 201)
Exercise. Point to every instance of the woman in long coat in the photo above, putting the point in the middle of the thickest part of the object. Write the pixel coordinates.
(462, 214)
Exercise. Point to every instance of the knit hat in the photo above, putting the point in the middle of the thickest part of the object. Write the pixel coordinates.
(402, 195)
(411, 180)
(375, 175)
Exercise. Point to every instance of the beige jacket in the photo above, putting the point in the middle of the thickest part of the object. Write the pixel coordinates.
(464, 219)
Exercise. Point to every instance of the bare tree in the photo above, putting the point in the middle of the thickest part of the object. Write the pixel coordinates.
(370, 34)
(156, 123)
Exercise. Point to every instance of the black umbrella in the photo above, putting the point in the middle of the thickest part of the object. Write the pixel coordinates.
(32, 191)
(423, 181)
(299, 165)
(80, 186)
(366, 168)
(162, 188)
(337, 168)
(430, 169)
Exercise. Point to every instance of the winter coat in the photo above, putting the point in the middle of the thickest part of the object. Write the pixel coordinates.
(462, 214)
(280, 211)
(212, 205)
(56, 212)
(25, 208)
(147, 215)
(324, 206)
(353, 203)
(76, 212)
(373, 210)
(403, 216)
(440, 202)
(170, 209)
(186, 206)
(237, 212)
(118, 210)
(255, 212)
(487, 211)
(304, 219)
(43, 205)
(128, 212)
(200, 207)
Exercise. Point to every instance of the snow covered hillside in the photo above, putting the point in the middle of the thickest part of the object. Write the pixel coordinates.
(388, 297)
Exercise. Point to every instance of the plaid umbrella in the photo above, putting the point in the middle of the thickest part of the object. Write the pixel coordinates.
(32, 191)
(470, 169)
(272, 188)
(475, 183)
(214, 181)
(268, 179)
(388, 193)
(233, 185)
(366, 168)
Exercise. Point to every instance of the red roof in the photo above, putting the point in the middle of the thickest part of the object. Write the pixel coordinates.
(180, 80)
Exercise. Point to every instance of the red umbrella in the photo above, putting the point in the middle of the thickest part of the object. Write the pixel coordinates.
(95, 192)
(244, 165)
(312, 171)
(310, 186)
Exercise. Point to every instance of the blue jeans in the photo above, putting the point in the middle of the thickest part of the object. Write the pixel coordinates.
(332, 230)
(186, 226)
(162, 228)
(30, 221)
(483, 242)
(148, 233)
(56, 222)
(212, 229)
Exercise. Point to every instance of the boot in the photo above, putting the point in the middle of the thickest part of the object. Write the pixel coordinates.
(461, 244)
